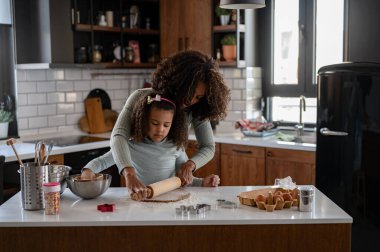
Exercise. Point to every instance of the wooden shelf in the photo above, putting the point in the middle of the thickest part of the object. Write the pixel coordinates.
(89, 28)
(224, 28)
(223, 63)
(127, 65)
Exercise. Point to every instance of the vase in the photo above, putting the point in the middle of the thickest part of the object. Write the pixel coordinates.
(4, 129)
(224, 19)
(229, 52)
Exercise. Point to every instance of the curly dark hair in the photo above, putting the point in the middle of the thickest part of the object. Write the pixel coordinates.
(179, 75)
(140, 115)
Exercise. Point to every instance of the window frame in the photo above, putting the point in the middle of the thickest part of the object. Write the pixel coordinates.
(306, 76)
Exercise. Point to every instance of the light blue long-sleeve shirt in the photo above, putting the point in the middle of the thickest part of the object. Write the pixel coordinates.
(152, 161)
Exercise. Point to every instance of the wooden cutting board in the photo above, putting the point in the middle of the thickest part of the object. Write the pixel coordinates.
(94, 114)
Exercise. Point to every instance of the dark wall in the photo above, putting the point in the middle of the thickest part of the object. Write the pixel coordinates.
(363, 30)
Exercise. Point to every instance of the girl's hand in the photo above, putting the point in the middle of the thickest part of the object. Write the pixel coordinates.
(186, 172)
(136, 188)
(211, 181)
(87, 174)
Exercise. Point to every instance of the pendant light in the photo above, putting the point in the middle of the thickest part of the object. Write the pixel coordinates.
(242, 4)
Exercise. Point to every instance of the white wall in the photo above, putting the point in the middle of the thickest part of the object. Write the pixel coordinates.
(51, 100)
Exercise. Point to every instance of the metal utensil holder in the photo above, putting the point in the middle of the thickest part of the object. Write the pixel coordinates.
(31, 179)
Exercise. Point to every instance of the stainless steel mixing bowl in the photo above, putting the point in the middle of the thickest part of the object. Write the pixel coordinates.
(89, 189)
(57, 173)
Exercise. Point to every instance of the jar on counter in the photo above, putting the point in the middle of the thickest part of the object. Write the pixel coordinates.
(51, 197)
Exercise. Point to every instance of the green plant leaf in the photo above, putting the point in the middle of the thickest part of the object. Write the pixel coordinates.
(6, 116)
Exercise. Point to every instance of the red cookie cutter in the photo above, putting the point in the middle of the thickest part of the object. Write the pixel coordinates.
(107, 208)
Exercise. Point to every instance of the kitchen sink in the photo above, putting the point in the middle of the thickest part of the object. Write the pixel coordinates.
(308, 137)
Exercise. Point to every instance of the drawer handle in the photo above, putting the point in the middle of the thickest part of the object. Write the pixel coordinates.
(242, 151)
(269, 154)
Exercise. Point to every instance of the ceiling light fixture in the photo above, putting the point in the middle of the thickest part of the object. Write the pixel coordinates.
(242, 4)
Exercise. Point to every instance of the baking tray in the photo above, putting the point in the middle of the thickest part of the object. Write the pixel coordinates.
(264, 133)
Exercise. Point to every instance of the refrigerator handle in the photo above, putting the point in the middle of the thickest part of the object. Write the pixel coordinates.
(328, 132)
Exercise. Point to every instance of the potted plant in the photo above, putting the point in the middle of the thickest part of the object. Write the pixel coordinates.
(229, 47)
(5, 118)
(223, 14)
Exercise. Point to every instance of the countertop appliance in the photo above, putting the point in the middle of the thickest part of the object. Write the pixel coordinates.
(348, 145)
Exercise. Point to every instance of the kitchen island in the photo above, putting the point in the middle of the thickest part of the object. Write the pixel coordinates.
(148, 226)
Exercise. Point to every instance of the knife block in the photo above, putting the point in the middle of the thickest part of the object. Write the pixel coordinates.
(95, 116)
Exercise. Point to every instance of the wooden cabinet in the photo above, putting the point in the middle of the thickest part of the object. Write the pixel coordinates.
(242, 165)
(300, 165)
(185, 25)
(212, 167)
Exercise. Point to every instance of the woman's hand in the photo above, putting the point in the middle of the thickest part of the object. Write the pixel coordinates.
(136, 188)
(87, 174)
(211, 181)
(186, 172)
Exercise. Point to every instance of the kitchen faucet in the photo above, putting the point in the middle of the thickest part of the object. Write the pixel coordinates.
(299, 127)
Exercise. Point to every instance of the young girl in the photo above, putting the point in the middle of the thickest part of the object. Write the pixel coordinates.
(156, 146)
(193, 82)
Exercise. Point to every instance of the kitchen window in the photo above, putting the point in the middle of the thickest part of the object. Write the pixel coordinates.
(304, 35)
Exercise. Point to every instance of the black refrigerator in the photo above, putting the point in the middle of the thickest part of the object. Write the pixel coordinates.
(348, 146)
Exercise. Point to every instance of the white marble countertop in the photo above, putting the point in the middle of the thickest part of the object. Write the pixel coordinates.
(26, 150)
(77, 212)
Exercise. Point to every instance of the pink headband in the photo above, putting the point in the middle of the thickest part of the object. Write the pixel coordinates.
(159, 98)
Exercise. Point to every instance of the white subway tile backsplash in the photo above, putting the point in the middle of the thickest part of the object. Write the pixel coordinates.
(50, 109)
(57, 120)
(232, 73)
(26, 111)
(55, 74)
(71, 74)
(36, 75)
(121, 94)
(113, 84)
(239, 105)
(68, 128)
(98, 84)
(22, 123)
(239, 84)
(28, 132)
(64, 86)
(55, 97)
(73, 119)
(65, 108)
(22, 99)
(87, 74)
(65, 90)
(82, 85)
(236, 94)
(233, 116)
(26, 87)
(36, 98)
(79, 108)
(38, 122)
(21, 75)
(253, 83)
(47, 130)
(46, 86)
(74, 97)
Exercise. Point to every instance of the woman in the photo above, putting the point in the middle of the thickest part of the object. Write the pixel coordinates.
(192, 81)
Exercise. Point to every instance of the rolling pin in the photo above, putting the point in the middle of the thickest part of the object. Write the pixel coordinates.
(161, 187)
